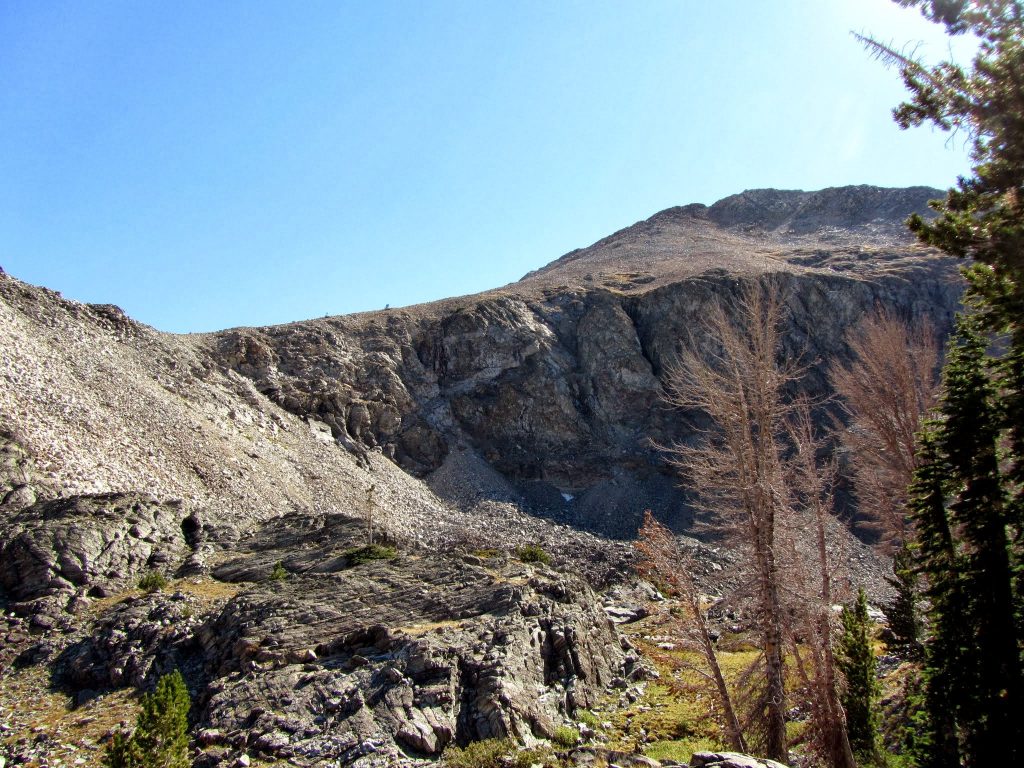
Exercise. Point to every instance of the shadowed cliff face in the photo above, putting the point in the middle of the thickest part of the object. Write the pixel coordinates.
(554, 381)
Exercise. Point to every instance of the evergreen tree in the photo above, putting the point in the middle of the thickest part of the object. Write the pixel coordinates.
(856, 660)
(902, 613)
(937, 745)
(160, 739)
(968, 495)
(969, 439)
(972, 667)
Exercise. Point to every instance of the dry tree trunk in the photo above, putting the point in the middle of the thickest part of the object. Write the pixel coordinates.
(813, 485)
(662, 558)
(371, 505)
(738, 381)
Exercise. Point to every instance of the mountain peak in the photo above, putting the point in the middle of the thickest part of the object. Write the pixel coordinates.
(744, 232)
(804, 212)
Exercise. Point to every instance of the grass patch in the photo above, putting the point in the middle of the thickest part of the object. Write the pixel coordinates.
(681, 750)
(677, 712)
(369, 553)
(485, 554)
(533, 553)
(208, 591)
(488, 753)
(566, 737)
(153, 581)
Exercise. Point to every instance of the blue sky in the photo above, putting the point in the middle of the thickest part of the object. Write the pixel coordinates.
(206, 165)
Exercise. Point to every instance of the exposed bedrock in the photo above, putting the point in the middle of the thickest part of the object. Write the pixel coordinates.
(407, 656)
(557, 392)
(64, 550)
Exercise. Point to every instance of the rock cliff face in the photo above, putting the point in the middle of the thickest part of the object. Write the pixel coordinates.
(227, 461)
(554, 381)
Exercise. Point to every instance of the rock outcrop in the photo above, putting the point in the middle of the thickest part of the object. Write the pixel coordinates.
(69, 548)
(554, 381)
(401, 658)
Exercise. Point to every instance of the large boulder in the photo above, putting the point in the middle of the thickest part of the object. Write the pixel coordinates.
(730, 760)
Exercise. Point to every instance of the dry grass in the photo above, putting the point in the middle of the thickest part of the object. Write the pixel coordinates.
(36, 713)
(423, 628)
(208, 591)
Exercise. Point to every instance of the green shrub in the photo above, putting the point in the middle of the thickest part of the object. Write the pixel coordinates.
(525, 758)
(566, 736)
(488, 753)
(361, 555)
(279, 573)
(160, 739)
(588, 718)
(533, 553)
(153, 581)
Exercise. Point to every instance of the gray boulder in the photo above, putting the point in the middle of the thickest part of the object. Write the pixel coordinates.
(730, 760)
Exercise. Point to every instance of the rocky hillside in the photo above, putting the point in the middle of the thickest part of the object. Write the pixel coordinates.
(243, 466)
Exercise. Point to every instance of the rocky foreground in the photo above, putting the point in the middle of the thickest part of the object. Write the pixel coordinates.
(234, 475)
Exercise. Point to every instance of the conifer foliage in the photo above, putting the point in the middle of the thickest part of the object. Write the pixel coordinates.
(962, 501)
(967, 497)
(903, 614)
(160, 739)
(856, 660)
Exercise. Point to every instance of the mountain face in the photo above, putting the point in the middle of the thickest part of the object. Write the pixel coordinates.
(551, 384)
(247, 464)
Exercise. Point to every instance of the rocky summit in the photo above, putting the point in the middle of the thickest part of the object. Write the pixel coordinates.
(498, 450)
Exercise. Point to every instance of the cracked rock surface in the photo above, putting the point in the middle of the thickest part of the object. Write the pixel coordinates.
(400, 658)
(86, 545)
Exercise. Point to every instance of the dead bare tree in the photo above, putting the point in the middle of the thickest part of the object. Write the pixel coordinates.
(662, 558)
(885, 390)
(370, 507)
(738, 381)
(809, 590)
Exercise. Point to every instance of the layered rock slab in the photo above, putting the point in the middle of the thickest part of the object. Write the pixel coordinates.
(387, 660)
(88, 544)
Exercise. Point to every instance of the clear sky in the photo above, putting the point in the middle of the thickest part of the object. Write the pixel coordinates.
(212, 164)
